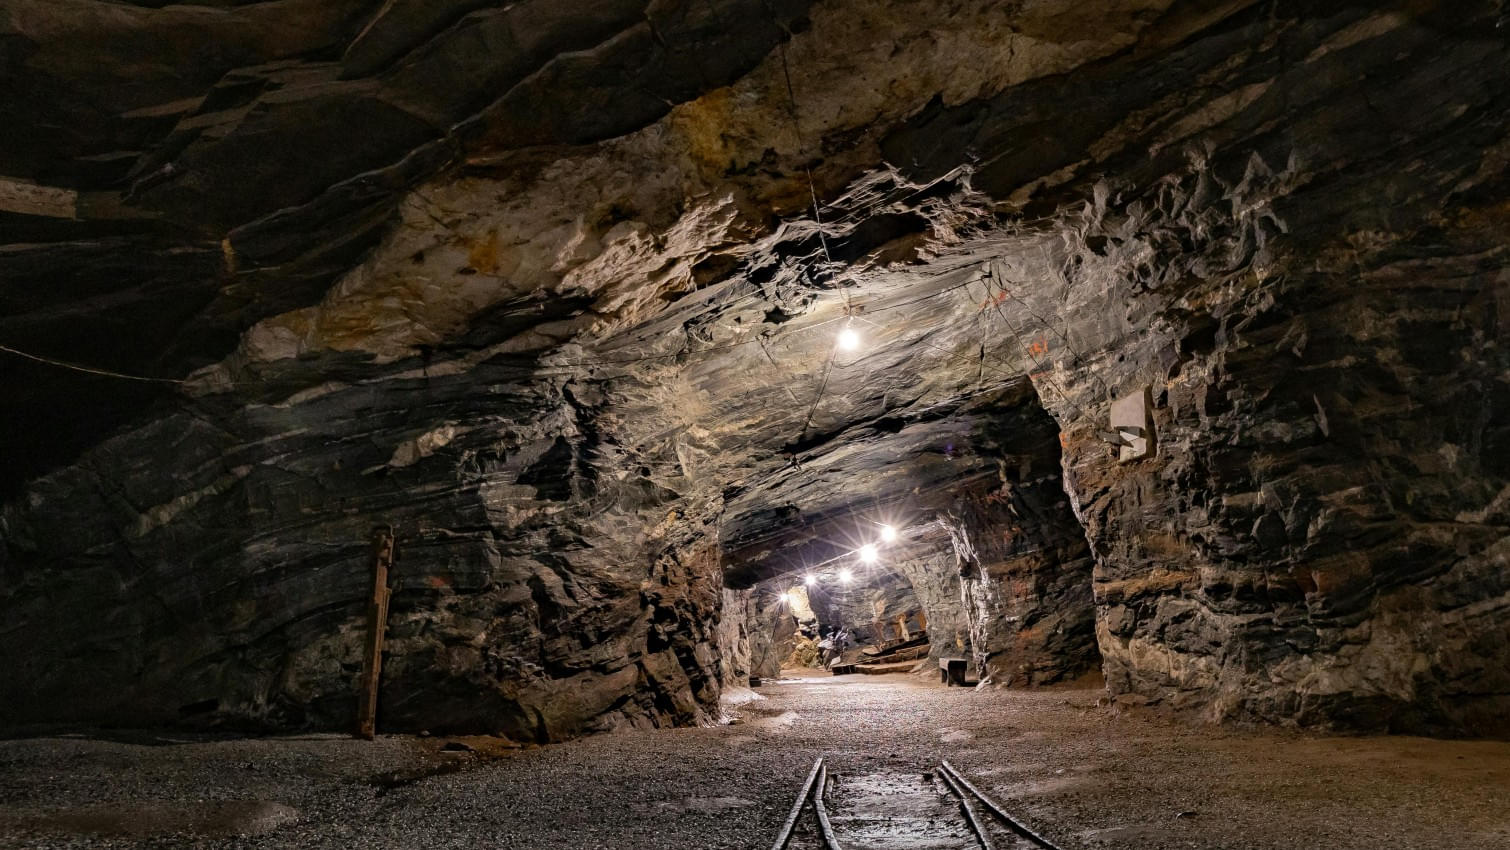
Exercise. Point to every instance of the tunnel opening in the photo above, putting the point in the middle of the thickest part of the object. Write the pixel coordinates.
(987, 563)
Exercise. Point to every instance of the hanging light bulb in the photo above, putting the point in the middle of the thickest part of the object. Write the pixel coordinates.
(784, 597)
(810, 580)
(868, 553)
(846, 576)
(849, 339)
(888, 534)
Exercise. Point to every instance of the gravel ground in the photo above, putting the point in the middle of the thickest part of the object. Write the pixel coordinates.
(1081, 774)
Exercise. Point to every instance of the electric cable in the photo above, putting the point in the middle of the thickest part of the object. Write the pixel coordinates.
(90, 370)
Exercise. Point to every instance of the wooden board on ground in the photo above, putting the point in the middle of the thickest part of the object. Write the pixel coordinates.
(880, 669)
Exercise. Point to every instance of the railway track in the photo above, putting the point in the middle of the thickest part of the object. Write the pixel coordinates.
(974, 804)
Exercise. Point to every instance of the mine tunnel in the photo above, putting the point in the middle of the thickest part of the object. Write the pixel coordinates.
(755, 424)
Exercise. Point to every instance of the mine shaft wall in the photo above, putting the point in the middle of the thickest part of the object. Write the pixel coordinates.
(1320, 535)
(1314, 294)
(936, 582)
(532, 597)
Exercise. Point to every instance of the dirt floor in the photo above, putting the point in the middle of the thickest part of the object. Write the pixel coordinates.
(1080, 774)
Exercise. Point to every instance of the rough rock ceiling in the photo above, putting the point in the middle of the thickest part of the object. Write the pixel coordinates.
(197, 195)
(175, 173)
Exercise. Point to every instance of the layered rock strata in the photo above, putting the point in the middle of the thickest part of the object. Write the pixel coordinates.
(534, 595)
(1024, 563)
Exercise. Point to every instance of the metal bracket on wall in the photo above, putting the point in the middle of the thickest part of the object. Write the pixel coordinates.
(1132, 421)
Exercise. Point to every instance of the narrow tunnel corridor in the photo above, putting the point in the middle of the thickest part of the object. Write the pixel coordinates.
(995, 561)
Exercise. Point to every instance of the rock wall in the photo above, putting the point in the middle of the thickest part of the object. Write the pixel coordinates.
(869, 606)
(1315, 292)
(918, 583)
(571, 330)
(734, 638)
(533, 595)
(756, 633)
(773, 629)
(1024, 563)
(935, 582)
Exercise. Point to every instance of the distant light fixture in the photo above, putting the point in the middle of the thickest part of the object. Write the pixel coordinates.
(888, 534)
(868, 553)
(784, 597)
(849, 339)
(846, 576)
(810, 580)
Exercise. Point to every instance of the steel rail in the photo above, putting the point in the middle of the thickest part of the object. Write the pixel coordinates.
(830, 841)
(991, 805)
(971, 815)
(785, 836)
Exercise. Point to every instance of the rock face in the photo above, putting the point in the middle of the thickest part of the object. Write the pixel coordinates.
(935, 580)
(870, 607)
(757, 634)
(532, 596)
(1025, 564)
(918, 585)
(545, 288)
(184, 193)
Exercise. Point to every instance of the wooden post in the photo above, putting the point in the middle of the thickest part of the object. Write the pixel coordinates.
(377, 623)
(922, 621)
(902, 633)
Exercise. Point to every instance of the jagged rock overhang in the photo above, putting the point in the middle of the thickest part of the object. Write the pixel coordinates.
(831, 500)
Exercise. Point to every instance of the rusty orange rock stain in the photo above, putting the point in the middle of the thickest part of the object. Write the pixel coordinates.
(482, 255)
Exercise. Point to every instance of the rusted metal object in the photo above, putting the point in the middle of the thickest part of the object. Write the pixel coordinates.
(814, 788)
(954, 777)
(377, 624)
(785, 836)
(977, 825)
(830, 840)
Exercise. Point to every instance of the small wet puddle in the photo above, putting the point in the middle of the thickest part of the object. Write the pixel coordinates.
(896, 811)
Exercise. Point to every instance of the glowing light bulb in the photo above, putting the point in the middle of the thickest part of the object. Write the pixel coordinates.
(868, 553)
(888, 534)
(849, 339)
(810, 581)
(784, 597)
(846, 576)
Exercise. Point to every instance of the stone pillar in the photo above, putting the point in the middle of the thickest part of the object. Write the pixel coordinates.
(1023, 560)
(936, 583)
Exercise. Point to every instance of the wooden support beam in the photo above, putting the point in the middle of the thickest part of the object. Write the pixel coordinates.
(377, 624)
